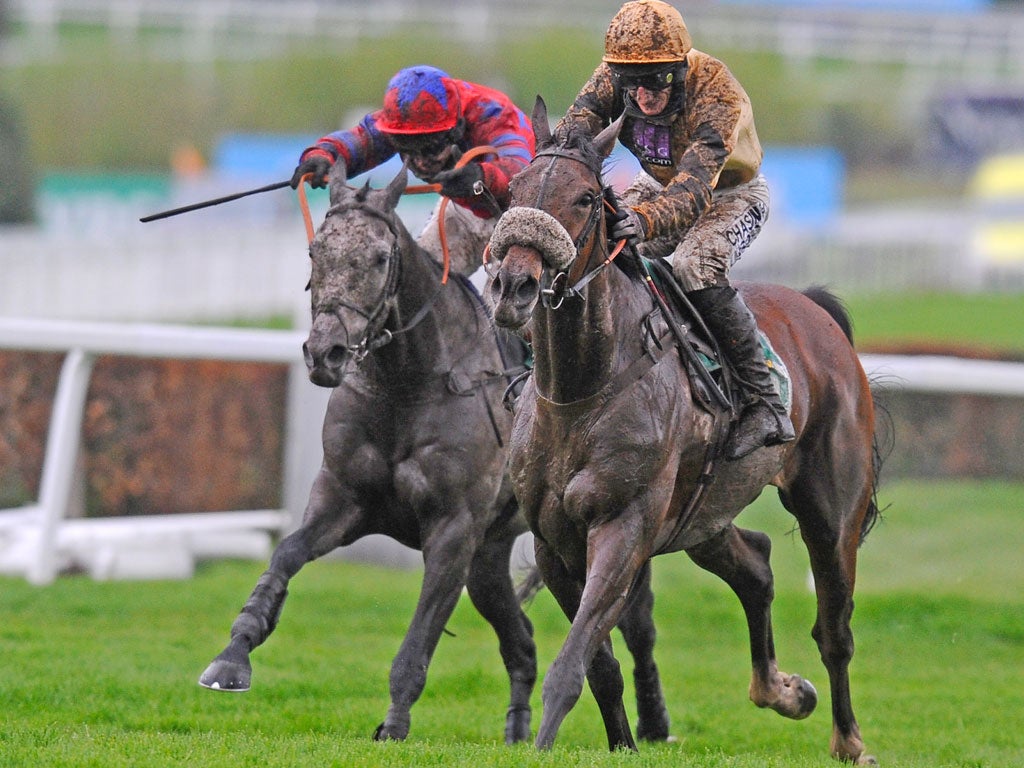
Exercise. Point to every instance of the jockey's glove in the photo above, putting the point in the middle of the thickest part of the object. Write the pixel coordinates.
(318, 164)
(631, 227)
(461, 182)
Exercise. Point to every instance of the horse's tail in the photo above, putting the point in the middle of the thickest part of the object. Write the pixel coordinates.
(881, 441)
(832, 304)
(528, 585)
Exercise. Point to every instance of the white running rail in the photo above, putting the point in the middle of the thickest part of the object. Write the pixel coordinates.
(41, 537)
(47, 538)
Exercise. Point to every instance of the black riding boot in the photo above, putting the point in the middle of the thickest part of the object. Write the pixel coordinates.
(763, 419)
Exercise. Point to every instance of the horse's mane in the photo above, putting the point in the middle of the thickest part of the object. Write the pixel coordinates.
(576, 139)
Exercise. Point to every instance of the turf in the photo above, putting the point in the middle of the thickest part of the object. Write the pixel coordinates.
(104, 674)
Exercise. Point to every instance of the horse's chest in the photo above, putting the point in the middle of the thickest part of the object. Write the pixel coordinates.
(566, 470)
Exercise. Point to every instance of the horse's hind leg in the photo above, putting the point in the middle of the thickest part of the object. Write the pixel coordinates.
(832, 541)
(490, 589)
(637, 627)
(740, 558)
(319, 533)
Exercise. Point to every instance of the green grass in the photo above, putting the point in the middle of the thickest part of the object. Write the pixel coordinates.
(104, 674)
(987, 322)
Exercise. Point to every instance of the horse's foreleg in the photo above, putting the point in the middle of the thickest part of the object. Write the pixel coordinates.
(231, 670)
(637, 627)
(447, 552)
(566, 591)
(319, 533)
(611, 571)
(740, 558)
(490, 589)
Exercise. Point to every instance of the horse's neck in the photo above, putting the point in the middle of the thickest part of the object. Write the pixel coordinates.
(415, 354)
(580, 346)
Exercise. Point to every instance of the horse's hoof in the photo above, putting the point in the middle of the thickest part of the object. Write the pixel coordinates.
(796, 698)
(517, 726)
(387, 732)
(806, 697)
(800, 701)
(227, 676)
(653, 731)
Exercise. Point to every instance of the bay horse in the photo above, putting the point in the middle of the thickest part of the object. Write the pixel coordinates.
(415, 447)
(610, 453)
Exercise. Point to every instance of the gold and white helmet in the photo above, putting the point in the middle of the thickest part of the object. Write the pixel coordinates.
(645, 47)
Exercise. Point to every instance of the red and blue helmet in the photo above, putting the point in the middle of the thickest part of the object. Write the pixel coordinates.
(420, 99)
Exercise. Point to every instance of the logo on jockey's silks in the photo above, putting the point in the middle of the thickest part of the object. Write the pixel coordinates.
(746, 228)
(653, 143)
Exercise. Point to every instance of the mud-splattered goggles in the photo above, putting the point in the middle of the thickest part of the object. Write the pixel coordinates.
(651, 80)
(422, 144)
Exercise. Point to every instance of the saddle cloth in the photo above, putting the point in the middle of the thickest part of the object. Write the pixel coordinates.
(705, 348)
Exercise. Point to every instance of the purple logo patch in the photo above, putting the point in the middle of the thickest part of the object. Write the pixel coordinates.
(653, 143)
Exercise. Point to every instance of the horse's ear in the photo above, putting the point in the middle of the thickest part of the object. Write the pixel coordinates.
(541, 128)
(397, 186)
(336, 182)
(604, 142)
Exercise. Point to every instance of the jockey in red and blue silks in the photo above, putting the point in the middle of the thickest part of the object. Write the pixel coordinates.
(430, 119)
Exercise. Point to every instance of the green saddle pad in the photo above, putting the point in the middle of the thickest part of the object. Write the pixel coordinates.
(777, 369)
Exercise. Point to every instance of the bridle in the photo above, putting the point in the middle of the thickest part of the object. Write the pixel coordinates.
(570, 284)
(564, 284)
(375, 335)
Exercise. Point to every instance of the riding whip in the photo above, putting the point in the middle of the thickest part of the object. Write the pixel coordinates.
(217, 201)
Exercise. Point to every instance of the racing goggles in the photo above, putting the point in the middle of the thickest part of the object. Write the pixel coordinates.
(421, 144)
(651, 80)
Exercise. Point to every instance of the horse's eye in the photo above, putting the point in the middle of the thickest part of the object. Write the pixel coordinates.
(586, 200)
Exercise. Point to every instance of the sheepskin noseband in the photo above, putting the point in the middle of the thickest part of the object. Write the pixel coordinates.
(533, 228)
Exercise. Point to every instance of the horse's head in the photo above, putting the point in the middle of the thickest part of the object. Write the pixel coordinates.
(555, 222)
(354, 276)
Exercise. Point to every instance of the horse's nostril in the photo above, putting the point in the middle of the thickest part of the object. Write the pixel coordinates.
(494, 287)
(307, 355)
(336, 356)
(526, 290)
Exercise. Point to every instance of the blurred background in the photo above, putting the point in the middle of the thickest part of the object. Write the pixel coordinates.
(894, 138)
(894, 134)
